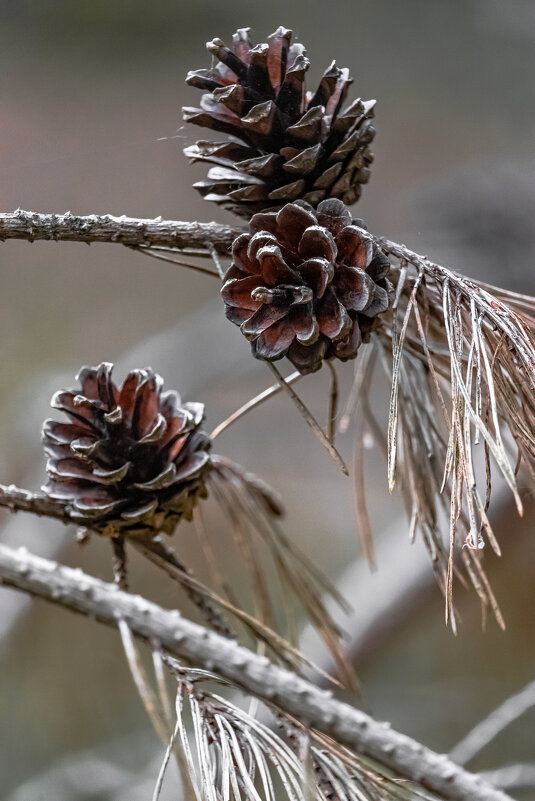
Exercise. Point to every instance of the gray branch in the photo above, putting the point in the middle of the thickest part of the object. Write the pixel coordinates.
(513, 777)
(316, 708)
(133, 232)
(201, 239)
(20, 500)
(491, 726)
(17, 499)
(129, 231)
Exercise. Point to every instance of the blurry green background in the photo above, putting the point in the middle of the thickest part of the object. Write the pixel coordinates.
(90, 122)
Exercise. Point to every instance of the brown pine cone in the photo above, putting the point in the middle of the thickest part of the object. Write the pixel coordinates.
(128, 457)
(285, 143)
(306, 284)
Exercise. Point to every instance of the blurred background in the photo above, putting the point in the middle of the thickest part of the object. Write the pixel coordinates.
(90, 122)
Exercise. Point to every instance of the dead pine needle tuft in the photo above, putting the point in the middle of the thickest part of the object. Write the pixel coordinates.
(460, 359)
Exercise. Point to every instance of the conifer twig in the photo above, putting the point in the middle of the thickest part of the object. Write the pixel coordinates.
(311, 421)
(492, 725)
(72, 589)
(123, 230)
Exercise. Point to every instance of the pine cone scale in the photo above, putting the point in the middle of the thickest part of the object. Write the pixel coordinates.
(238, 292)
(263, 318)
(273, 342)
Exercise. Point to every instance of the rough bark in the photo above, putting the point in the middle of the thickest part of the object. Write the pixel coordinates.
(124, 230)
(133, 232)
(317, 708)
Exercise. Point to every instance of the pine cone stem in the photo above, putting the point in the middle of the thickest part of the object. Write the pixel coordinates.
(120, 572)
(310, 419)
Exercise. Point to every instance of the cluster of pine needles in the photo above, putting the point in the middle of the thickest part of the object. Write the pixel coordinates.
(460, 358)
(227, 753)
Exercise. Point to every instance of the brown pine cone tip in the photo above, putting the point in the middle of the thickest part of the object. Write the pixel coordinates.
(285, 143)
(306, 284)
(129, 456)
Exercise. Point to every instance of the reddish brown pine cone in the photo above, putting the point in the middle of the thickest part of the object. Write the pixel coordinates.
(306, 284)
(286, 143)
(128, 457)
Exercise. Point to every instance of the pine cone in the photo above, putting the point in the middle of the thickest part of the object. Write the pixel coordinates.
(129, 456)
(286, 143)
(306, 284)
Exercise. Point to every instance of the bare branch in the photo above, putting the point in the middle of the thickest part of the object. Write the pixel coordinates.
(20, 500)
(189, 236)
(316, 708)
(513, 777)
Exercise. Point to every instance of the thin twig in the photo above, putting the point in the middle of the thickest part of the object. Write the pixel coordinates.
(120, 572)
(123, 230)
(156, 255)
(311, 421)
(133, 657)
(512, 777)
(216, 259)
(333, 403)
(255, 674)
(491, 726)
(253, 403)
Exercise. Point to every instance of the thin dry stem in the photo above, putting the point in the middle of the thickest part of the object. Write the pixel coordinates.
(253, 403)
(333, 404)
(310, 419)
(495, 723)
